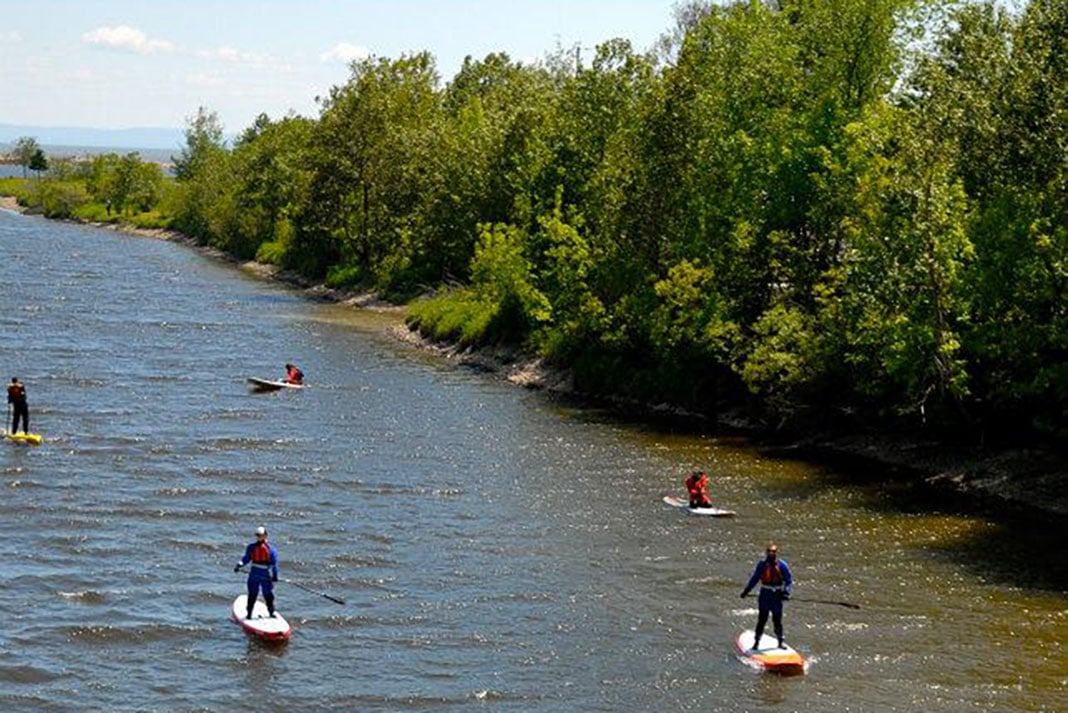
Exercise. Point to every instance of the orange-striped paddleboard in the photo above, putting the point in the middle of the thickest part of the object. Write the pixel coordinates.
(769, 657)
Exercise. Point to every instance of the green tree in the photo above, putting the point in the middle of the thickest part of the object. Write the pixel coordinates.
(26, 147)
(271, 181)
(203, 173)
(38, 162)
(368, 155)
(1007, 78)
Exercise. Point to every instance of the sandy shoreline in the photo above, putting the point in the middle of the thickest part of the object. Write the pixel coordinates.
(1021, 480)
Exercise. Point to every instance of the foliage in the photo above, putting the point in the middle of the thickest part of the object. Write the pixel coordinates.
(38, 162)
(25, 150)
(17, 187)
(807, 207)
(58, 199)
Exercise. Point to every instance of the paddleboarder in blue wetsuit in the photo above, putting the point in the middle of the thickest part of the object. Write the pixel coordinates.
(776, 583)
(264, 571)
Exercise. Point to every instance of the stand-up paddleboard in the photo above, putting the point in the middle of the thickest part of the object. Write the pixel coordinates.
(685, 505)
(32, 439)
(257, 384)
(769, 657)
(262, 624)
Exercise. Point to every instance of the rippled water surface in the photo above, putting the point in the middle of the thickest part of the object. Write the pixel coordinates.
(497, 551)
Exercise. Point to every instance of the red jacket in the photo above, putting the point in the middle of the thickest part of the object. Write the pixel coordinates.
(697, 486)
(16, 394)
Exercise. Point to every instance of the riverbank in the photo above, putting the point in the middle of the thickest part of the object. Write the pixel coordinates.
(1030, 482)
(1027, 481)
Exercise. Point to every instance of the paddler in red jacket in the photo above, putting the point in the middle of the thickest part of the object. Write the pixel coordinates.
(294, 375)
(264, 571)
(697, 486)
(16, 396)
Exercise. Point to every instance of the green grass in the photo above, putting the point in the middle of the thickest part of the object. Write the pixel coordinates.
(341, 277)
(98, 213)
(95, 213)
(459, 316)
(151, 219)
(272, 252)
(17, 187)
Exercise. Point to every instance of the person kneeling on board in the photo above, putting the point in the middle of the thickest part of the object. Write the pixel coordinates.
(264, 571)
(776, 583)
(16, 396)
(697, 486)
(294, 375)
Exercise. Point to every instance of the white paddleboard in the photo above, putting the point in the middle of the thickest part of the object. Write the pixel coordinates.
(685, 505)
(258, 384)
(262, 624)
(769, 657)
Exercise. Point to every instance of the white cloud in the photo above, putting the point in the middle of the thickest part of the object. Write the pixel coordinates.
(205, 80)
(229, 54)
(128, 39)
(344, 53)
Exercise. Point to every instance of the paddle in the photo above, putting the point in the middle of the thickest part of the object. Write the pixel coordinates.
(848, 605)
(298, 585)
(826, 601)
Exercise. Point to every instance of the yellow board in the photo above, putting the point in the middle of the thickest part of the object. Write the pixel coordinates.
(33, 439)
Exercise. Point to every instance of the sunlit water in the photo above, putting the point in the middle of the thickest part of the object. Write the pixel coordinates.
(496, 550)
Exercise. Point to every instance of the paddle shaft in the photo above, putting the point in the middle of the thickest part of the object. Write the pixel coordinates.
(825, 601)
(298, 585)
(848, 605)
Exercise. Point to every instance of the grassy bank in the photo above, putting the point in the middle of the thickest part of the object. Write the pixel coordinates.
(68, 199)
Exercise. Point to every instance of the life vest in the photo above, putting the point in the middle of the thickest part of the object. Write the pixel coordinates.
(294, 376)
(261, 555)
(16, 394)
(697, 484)
(772, 575)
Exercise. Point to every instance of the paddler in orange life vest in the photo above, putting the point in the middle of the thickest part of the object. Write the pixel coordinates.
(776, 583)
(294, 375)
(264, 571)
(697, 486)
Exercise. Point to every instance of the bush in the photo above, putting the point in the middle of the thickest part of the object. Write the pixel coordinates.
(340, 276)
(272, 252)
(460, 316)
(17, 187)
(58, 199)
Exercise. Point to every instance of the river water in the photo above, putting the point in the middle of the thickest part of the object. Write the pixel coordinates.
(496, 550)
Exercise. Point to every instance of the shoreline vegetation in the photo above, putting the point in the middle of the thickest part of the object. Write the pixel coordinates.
(1026, 480)
(835, 224)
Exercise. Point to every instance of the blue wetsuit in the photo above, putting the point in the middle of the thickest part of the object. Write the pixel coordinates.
(772, 591)
(262, 575)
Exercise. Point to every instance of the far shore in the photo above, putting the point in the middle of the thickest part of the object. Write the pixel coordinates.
(1019, 481)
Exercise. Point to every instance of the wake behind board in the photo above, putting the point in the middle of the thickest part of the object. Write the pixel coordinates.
(769, 657)
(708, 512)
(30, 439)
(257, 384)
(262, 624)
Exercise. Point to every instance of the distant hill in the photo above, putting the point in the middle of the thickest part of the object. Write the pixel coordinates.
(115, 139)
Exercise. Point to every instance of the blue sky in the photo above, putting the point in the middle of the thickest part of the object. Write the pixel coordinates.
(151, 63)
